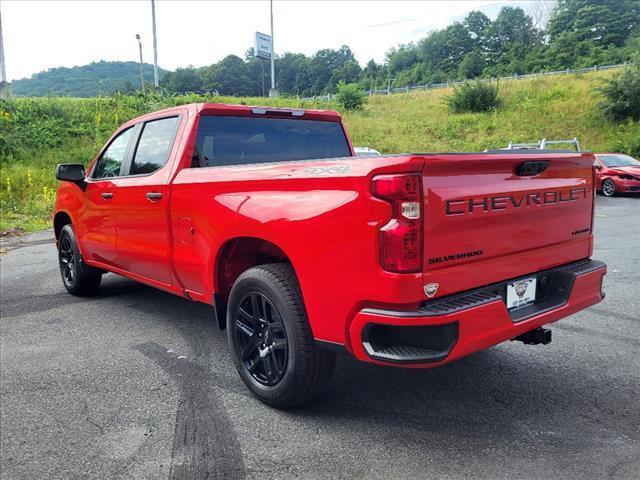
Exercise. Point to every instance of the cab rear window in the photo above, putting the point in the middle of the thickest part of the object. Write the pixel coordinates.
(244, 140)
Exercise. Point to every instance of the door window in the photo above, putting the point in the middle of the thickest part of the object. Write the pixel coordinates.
(111, 160)
(154, 146)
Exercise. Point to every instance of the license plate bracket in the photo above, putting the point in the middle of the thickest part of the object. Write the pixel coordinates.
(521, 293)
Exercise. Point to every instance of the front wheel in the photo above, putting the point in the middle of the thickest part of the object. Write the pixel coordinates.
(270, 339)
(608, 188)
(78, 278)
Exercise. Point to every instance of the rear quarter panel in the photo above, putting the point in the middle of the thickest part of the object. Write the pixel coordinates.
(320, 213)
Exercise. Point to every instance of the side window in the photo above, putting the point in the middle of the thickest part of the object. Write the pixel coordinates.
(111, 160)
(154, 146)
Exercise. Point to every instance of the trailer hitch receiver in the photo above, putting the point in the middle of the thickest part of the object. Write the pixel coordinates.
(535, 337)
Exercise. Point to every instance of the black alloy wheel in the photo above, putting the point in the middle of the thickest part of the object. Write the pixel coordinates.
(270, 339)
(67, 262)
(261, 338)
(78, 278)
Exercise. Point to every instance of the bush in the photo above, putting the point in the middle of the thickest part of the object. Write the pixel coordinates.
(622, 94)
(350, 96)
(474, 97)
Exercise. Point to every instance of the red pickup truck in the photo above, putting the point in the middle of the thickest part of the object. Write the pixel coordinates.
(304, 250)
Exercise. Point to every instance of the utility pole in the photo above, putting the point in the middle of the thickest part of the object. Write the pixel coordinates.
(155, 45)
(273, 92)
(262, 80)
(141, 64)
(4, 85)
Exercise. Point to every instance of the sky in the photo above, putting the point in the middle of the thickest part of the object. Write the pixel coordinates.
(43, 34)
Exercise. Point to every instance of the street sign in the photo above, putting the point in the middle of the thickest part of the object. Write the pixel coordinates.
(263, 46)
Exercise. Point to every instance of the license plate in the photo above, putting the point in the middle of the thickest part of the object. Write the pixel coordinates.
(521, 293)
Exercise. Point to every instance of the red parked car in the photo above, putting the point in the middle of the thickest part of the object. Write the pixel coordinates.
(617, 173)
(303, 249)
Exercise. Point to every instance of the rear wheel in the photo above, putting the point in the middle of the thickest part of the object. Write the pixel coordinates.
(78, 278)
(608, 188)
(271, 341)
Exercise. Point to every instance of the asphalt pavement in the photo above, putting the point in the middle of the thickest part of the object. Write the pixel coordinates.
(136, 383)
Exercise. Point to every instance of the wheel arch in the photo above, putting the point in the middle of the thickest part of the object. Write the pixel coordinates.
(60, 219)
(235, 256)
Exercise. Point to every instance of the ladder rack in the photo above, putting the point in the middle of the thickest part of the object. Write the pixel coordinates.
(542, 144)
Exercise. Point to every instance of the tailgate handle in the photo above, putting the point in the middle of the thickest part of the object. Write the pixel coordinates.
(529, 169)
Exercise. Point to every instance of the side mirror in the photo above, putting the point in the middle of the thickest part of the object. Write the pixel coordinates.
(71, 172)
(598, 167)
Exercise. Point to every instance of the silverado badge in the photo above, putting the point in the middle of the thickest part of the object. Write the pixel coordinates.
(430, 289)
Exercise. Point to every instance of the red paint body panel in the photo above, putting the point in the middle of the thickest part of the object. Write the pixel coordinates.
(484, 326)
(512, 240)
(96, 223)
(322, 216)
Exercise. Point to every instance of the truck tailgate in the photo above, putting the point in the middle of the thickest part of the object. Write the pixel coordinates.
(492, 217)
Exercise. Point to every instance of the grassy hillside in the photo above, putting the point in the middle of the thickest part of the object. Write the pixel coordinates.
(36, 134)
(98, 78)
(551, 107)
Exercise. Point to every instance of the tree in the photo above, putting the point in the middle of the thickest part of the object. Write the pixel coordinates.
(511, 27)
(540, 11)
(294, 74)
(372, 69)
(402, 57)
(602, 23)
(348, 72)
(373, 75)
(477, 24)
(230, 77)
(128, 87)
(182, 80)
(444, 49)
(472, 65)
(322, 65)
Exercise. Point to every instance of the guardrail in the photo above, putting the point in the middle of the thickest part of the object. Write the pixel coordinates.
(431, 86)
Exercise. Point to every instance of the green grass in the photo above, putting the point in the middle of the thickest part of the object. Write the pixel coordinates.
(37, 134)
(551, 107)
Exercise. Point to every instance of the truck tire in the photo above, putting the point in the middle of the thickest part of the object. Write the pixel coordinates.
(271, 342)
(78, 278)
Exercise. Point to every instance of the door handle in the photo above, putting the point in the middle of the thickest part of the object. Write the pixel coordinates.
(154, 196)
(107, 195)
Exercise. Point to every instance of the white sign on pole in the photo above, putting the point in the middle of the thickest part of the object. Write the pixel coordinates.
(263, 46)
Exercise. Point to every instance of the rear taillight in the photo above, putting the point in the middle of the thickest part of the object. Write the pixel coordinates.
(401, 237)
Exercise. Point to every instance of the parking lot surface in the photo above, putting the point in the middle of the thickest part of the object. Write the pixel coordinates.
(136, 383)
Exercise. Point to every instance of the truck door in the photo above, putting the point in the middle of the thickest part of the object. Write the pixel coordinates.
(96, 227)
(142, 210)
